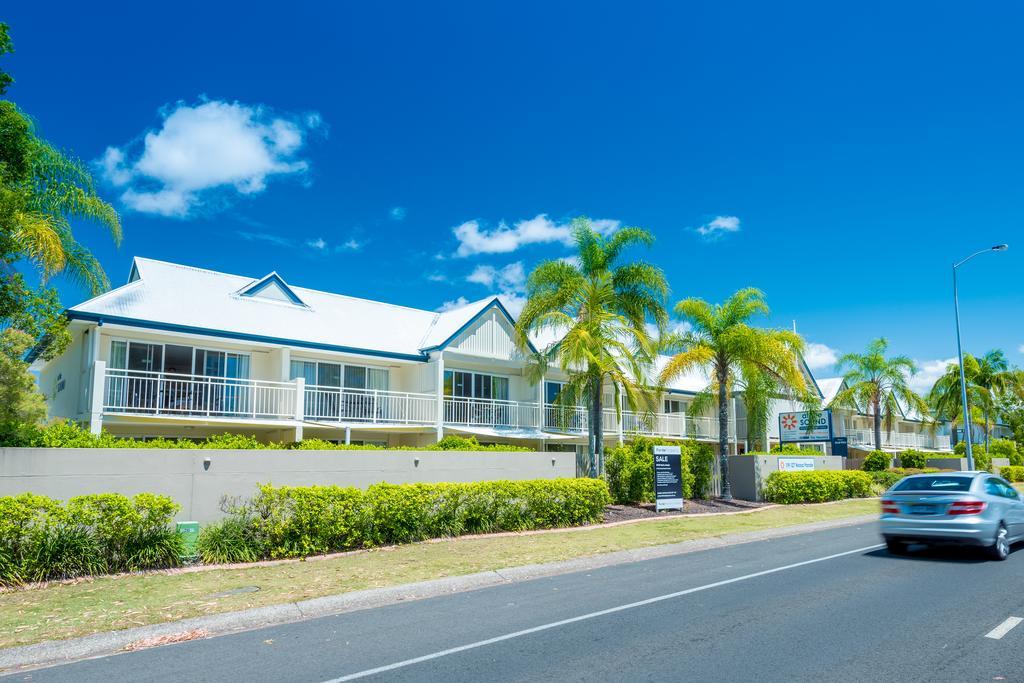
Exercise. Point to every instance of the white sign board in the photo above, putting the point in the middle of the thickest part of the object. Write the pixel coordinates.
(798, 427)
(796, 464)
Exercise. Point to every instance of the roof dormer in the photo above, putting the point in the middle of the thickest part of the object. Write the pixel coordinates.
(272, 288)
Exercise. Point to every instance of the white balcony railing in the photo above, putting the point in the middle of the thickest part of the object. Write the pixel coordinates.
(156, 393)
(487, 412)
(866, 437)
(159, 393)
(337, 404)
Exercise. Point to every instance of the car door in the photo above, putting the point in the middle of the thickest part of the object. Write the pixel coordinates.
(1014, 509)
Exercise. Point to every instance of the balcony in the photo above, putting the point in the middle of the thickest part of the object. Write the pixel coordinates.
(140, 393)
(866, 437)
(336, 404)
(156, 393)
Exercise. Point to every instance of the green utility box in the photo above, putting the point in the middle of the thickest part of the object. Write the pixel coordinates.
(189, 532)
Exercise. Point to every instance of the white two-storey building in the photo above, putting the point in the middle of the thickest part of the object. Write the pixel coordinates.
(180, 351)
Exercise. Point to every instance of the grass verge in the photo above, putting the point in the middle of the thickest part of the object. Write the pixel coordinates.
(107, 603)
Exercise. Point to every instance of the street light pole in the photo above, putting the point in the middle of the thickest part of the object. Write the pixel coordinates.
(960, 355)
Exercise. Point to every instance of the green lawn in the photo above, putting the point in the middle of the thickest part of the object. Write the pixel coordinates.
(108, 603)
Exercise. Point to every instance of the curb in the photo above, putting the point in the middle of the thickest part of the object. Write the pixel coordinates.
(56, 652)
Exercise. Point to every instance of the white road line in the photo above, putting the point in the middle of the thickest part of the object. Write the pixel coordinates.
(592, 615)
(999, 631)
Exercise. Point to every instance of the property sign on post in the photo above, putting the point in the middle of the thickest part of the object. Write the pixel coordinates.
(668, 478)
(840, 446)
(798, 426)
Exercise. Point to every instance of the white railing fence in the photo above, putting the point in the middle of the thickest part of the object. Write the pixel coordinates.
(159, 393)
(487, 412)
(323, 403)
(899, 439)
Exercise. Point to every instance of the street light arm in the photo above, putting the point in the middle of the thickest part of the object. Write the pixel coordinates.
(957, 265)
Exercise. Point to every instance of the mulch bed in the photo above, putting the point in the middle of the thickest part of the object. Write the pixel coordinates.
(620, 513)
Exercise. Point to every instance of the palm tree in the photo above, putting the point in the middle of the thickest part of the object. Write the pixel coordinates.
(989, 380)
(601, 308)
(945, 400)
(722, 342)
(41, 191)
(995, 380)
(876, 383)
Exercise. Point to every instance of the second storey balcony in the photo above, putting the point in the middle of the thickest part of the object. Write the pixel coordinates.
(156, 394)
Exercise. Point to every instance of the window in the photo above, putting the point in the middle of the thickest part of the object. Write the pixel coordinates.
(934, 483)
(673, 405)
(324, 374)
(552, 390)
(60, 382)
(462, 384)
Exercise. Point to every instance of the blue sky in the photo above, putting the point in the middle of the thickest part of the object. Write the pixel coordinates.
(838, 157)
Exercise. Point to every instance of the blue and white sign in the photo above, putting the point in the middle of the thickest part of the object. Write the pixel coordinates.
(799, 427)
(796, 464)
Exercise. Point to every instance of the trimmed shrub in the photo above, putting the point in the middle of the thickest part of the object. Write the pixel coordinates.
(62, 434)
(293, 521)
(877, 461)
(816, 486)
(793, 449)
(43, 539)
(1014, 473)
(888, 477)
(982, 459)
(913, 458)
(1004, 448)
(702, 462)
(629, 469)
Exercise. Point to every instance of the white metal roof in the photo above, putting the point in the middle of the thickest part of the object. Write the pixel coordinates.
(829, 387)
(184, 296)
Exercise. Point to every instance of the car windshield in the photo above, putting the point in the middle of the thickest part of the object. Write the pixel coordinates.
(935, 483)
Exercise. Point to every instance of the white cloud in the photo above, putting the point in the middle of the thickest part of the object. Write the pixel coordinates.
(452, 305)
(473, 239)
(318, 244)
(509, 278)
(437, 277)
(819, 356)
(928, 372)
(513, 302)
(1021, 349)
(674, 327)
(719, 226)
(351, 244)
(397, 213)
(270, 238)
(212, 147)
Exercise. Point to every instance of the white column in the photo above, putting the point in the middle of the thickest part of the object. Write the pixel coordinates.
(440, 395)
(99, 375)
(300, 405)
(540, 405)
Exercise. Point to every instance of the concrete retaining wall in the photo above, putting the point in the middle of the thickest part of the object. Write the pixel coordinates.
(747, 473)
(198, 479)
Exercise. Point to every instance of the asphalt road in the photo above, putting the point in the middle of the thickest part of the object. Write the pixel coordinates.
(827, 605)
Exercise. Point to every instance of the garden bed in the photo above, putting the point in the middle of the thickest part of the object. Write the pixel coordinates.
(621, 513)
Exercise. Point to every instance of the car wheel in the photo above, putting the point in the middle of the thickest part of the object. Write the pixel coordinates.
(896, 547)
(1000, 550)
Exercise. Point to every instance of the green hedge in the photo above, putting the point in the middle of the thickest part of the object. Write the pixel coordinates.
(792, 449)
(1004, 448)
(63, 434)
(877, 461)
(43, 539)
(982, 459)
(1013, 473)
(816, 487)
(892, 475)
(290, 521)
(913, 458)
(630, 469)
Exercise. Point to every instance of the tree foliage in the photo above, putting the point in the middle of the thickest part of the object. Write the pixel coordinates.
(992, 390)
(879, 386)
(764, 363)
(20, 403)
(600, 307)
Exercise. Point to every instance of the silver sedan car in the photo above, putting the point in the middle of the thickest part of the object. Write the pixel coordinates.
(968, 508)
